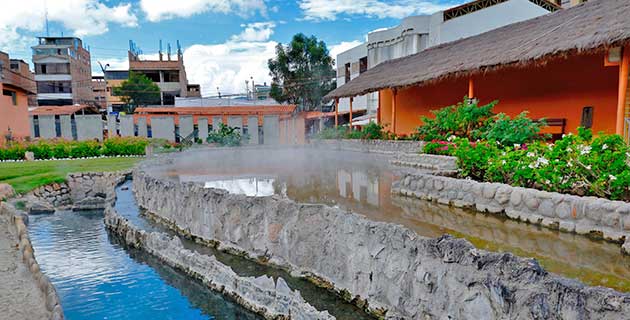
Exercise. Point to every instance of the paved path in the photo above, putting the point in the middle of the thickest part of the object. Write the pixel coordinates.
(20, 298)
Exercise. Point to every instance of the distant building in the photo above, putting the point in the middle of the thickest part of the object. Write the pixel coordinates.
(99, 90)
(114, 78)
(63, 71)
(417, 33)
(169, 74)
(262, 91)
(16, 84)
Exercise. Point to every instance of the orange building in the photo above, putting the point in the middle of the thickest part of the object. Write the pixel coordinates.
(16, 84)
(570, 67)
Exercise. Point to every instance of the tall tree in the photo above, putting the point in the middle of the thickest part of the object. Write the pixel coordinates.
(302, 72)
(138, 90)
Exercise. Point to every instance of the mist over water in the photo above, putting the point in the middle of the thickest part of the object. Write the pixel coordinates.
(361, 183)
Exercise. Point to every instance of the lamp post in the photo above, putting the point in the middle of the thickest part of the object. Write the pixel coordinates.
(104, 69)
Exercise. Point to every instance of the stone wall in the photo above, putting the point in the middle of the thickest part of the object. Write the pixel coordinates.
(371, 146)
(394, 270)
(583, 215)
(49, 292)
(261, 294)
(81, 191)
(426, 161)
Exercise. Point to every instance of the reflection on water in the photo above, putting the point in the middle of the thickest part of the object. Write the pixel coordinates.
(97, 279)
(361, 183)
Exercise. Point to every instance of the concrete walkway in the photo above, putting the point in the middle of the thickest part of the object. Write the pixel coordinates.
(20, 297)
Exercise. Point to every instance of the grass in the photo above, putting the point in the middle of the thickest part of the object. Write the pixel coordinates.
(26, 176)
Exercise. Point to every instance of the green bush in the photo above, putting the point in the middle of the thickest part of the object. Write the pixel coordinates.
(473, 122)
(227, 136)
(339, 132)
(574, 164)
(371, 131)
(61, 149)
(464, 120)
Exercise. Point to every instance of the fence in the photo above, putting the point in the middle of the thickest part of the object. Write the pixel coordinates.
(267, 129)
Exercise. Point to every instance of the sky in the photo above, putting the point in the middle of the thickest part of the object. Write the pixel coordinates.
(225, 42)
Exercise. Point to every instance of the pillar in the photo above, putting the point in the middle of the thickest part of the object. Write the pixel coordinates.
(351, 100)
(336, 112)
(471, 88)
(623, 87)
(378, 108)
(394, 94)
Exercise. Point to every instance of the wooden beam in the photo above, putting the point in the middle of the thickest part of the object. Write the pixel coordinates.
(351, 100)
(471, 88)
(336, 112)
(623, 87)
(394, 94)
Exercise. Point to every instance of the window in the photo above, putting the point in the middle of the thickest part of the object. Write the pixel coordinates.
(54, 87)
(363, 65)
(12, 94)
(587, 117)
(347, 73)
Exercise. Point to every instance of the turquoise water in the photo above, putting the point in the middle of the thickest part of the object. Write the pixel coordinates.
(98, 278)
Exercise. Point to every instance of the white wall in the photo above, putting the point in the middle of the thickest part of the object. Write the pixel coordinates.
(489, 18)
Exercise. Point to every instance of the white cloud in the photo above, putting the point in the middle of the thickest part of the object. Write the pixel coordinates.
(114, 64)
(228, 65)
(336, 49)
(157, 10)
(258, 31)
(330, 9)
(81, 17)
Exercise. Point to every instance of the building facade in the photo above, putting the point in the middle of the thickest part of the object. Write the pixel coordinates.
(417, 33)
(99, 90)
(16, 84)
(577, 75)
(63, 71)
(169, 74)
(114, 78)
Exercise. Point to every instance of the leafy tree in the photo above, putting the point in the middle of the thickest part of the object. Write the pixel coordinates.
(138, 90)
(302, 72)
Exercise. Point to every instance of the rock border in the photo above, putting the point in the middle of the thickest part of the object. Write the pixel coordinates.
(391, 147)
(590, 216)
(397, 273)
(53, 304)
(258, 294)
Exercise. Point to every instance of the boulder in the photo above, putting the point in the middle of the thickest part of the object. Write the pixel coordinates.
(37, 206)
(6, 191)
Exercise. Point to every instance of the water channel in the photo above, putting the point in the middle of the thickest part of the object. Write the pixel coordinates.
(361, 183)
(99, 277)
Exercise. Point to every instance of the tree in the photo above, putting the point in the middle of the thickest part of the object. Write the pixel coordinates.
(138, 90)
(302, 72)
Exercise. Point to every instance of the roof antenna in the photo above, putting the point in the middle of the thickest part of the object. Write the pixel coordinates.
(46, 18)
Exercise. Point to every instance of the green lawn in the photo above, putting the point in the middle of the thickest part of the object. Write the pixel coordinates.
(26, 176)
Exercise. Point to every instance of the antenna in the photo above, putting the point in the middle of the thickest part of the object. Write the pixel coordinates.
(46, 18)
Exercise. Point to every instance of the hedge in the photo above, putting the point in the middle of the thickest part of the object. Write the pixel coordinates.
(64, 149)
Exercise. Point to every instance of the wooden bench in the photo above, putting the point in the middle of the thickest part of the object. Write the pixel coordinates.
(556, 127)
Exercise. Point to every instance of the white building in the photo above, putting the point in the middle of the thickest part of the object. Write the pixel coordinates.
(417, 33)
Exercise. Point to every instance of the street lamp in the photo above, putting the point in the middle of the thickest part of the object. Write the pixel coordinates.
(104, 69)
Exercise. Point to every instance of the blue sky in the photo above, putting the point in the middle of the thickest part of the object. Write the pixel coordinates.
(225, 41)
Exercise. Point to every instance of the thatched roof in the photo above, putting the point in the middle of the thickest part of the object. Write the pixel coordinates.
(594, 25)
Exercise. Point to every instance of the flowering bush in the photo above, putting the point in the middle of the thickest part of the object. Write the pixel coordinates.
(371, 131)
(60, 149)
(573, 165)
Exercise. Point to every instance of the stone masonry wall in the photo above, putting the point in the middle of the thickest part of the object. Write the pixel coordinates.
(53, 305)
(261, 294)
(81, 191)
(387, 265)
(426, 161)
(371, 146)
(583, 215)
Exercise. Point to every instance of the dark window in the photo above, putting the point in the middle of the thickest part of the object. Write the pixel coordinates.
(57, 126)
(363, 65)
(347, 72)
(587, 117)
(12, 94)
(54, 87)
(36, 126)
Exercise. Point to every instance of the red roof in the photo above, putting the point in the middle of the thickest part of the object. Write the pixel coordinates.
(61, 110)
(227, 110)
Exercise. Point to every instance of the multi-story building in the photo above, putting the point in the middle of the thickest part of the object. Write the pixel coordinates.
(99, 90)
(63, 71)
(16, 84)
(114, 78)
(417, 33)
(169, 74)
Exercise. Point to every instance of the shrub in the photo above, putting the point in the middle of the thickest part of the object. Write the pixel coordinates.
(124, 146)
(473, 122)
(332, 133)
(226, 136)
(473, 158)
(518, 130)
(465, 120)
(574, 164)
(61, 149)
(445, 148)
